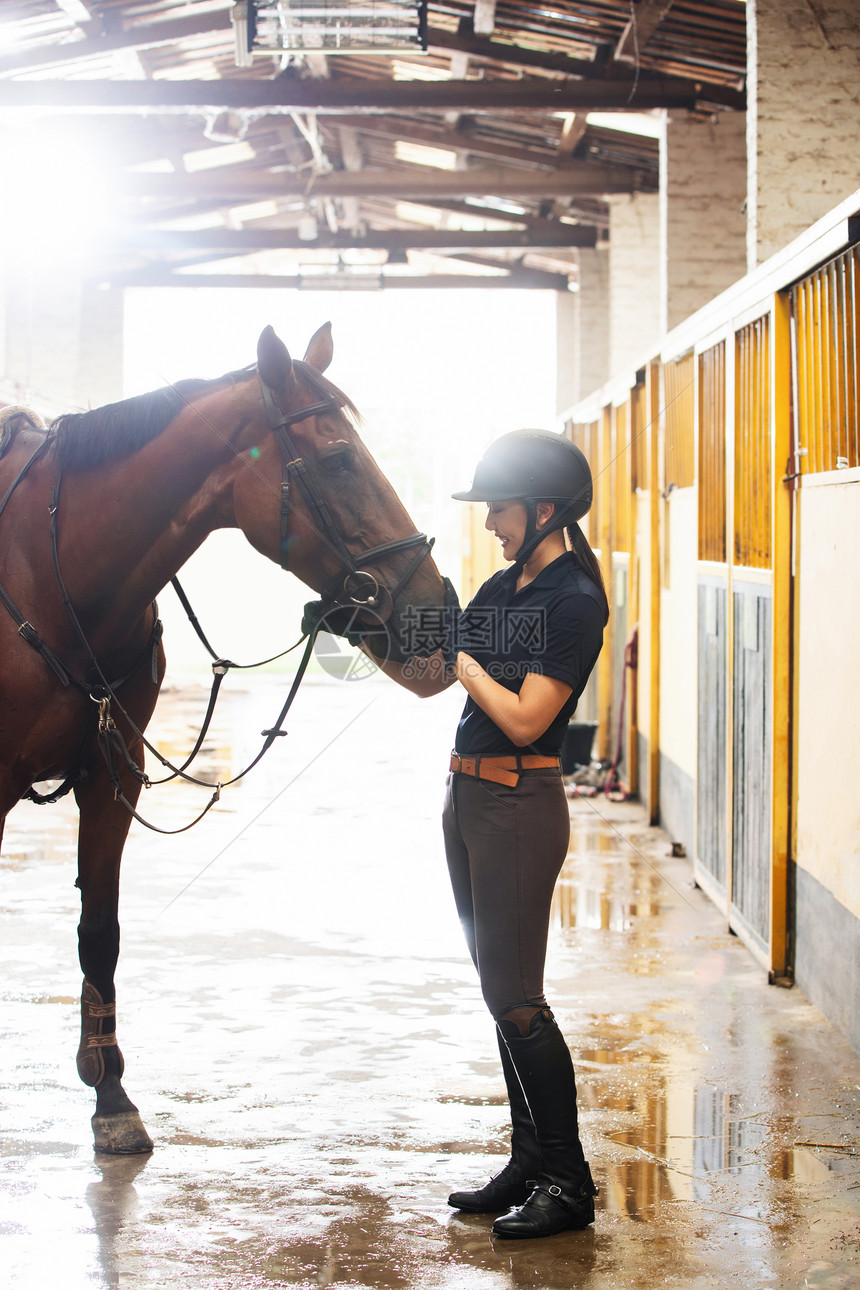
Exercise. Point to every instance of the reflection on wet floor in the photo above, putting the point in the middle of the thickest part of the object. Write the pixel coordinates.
(306, 1041)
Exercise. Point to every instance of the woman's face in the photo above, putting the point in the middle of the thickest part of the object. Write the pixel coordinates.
(508, 521)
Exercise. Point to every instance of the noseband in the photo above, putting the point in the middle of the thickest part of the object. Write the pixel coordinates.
(355, 586)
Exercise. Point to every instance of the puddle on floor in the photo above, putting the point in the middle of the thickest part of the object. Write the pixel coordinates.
(306, 1040)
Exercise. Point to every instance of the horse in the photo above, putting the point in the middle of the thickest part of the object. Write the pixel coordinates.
(98, 511)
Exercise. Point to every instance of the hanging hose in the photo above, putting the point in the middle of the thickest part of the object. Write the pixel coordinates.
(612, 784)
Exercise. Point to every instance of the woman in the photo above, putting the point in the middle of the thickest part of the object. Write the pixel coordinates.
(523, 651)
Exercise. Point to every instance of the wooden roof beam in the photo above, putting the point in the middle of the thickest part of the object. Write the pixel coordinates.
(647, 16)
(529, 279)
(575, 125)
(459, 71)
(246, 241)
(287, 94)
(238, 186)
(350, 151)
(573, 130)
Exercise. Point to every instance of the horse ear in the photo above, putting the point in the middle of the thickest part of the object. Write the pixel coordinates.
(321, 348)
(273, 360)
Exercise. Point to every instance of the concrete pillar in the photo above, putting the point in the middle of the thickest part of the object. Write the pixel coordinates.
(803, 116)
(634, 280)
(63, 340)
(582, 331)
(703, 183)
(593, 319)
(566, 350)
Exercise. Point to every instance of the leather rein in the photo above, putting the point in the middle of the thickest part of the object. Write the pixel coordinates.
(356, 587)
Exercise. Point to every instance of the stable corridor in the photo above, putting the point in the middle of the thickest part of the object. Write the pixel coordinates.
(306, 1043)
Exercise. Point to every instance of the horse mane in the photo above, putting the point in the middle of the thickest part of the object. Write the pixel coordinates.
(90, 439)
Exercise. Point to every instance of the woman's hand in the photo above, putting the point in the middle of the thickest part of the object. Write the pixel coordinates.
(523, 717)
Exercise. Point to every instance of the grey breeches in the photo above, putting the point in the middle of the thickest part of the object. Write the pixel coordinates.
(505, 848)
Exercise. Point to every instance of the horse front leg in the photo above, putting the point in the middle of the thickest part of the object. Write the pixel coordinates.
(104, 825)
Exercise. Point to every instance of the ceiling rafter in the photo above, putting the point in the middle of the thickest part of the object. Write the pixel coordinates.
(246, 241)
(530, 279)
(646, 18)
(350, 151)
(506, 87)
(413, 182)
(573, 132)
(287, 94)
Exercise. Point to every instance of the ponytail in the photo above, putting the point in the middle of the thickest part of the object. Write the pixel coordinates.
(587, 561)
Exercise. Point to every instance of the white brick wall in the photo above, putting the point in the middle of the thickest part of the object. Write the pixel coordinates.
(804, 115)
(566, 350)
(634, 279)
(703, 182)
(593, 305)
(582, 331)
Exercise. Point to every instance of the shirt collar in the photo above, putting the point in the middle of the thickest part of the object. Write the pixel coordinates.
(552, 575)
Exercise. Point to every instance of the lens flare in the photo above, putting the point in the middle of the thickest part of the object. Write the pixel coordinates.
(55, 203)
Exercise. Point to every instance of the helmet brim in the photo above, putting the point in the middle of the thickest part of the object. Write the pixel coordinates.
(482, 495)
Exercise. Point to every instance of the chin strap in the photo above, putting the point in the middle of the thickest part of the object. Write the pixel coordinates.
(533, 535)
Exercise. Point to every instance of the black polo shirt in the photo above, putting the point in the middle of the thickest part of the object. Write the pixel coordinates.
(553, 627)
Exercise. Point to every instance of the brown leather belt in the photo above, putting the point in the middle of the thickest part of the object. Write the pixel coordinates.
(500, 770)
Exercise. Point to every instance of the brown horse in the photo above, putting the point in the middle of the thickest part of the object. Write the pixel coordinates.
(97, 513)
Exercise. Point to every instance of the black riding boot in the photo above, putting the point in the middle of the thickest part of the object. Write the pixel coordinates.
(514, 1184)
(563, 1196)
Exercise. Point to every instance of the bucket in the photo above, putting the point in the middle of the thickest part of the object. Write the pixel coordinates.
(576, 748)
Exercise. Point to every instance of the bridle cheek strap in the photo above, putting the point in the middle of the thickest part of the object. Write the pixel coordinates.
(293, 465)
(291, 461)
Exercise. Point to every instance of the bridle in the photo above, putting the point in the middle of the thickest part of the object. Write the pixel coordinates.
(357, 587)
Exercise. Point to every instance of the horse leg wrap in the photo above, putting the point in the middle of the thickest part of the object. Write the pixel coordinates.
(94, 1013)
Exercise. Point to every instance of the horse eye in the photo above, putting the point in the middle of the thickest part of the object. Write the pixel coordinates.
(337, 462)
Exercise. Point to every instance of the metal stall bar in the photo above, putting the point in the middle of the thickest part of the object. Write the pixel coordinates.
(752, 644)
(710, 862)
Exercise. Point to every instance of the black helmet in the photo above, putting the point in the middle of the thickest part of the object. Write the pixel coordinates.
(533, 465)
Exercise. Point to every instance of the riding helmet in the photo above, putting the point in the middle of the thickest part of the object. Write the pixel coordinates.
(533, 465)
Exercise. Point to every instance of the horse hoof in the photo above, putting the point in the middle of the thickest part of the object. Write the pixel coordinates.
(121, 1135)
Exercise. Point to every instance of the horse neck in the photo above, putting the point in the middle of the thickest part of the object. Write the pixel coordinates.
(125, 529)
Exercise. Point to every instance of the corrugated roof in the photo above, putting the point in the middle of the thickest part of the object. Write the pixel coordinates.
(322, 139)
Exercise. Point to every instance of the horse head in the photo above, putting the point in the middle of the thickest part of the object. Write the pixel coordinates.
(311, 497)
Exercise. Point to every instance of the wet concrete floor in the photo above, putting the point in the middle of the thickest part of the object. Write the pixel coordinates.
(307, 1045)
